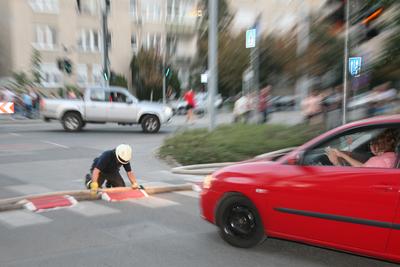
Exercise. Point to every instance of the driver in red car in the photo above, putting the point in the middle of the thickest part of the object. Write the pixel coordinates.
(383, 147)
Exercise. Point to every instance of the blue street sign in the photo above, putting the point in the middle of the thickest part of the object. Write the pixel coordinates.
(355, 66)
(251, 38)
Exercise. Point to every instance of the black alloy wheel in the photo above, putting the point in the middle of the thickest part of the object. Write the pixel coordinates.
(239, 222)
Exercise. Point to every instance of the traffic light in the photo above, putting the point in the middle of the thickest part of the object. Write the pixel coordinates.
(106, 75)
(68, 66)
(168, 71)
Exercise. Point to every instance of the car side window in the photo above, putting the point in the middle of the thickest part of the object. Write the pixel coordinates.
(118, 97)
(98, 95)
(356, 149)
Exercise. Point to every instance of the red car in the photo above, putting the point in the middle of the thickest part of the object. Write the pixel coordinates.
(302, 196)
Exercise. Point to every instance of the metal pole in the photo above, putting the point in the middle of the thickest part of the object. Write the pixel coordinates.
(346, 44)
(212, 59)
(164, 59)
(105, 44)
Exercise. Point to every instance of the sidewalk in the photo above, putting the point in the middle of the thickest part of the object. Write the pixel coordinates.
(225, 117)
(9, 119)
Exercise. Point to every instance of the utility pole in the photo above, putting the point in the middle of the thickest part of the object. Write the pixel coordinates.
(212, 59)
(105, 34)
(303, 40)
(255, 64)
(346, 49)
(164, 85)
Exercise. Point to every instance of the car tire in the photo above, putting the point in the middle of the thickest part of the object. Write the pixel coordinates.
(151, 124)
(239, 222)
(72, 122)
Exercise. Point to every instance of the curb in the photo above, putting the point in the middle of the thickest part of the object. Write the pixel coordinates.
(201, 169)
(85, 195)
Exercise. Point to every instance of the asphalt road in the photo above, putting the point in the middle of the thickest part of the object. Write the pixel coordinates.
(37, 158)
(163, 230)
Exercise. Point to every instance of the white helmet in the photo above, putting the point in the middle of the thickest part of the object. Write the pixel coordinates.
(123, 153)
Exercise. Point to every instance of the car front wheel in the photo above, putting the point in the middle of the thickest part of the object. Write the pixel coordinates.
(239, 222)
(151, 124)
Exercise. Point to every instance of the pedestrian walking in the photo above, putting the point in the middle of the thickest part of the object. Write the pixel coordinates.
(263, 103)
(312, 107)
(27, 100)
(190, 105)
(105, 168)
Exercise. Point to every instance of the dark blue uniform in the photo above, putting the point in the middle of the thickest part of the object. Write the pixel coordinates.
(109, 166)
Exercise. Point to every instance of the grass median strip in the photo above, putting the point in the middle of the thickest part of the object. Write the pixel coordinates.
(233, 142)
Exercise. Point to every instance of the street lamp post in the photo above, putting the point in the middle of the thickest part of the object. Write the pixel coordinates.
(212, 59)
(346, 49)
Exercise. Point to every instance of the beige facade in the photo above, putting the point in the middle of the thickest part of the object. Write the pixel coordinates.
(278, 16)
(59, 29)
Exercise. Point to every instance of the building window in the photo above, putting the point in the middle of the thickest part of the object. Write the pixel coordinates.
(89, 41)
(45, 37)
(97, 75)
(133, 9)
(153, 41)
(151, 11)
(134, 43)
(52, 77)
(81, 73)
(44, 6)
(88, 7)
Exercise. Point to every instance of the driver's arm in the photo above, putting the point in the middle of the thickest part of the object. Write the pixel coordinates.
(350, 160)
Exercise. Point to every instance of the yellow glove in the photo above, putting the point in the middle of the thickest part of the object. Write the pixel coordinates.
(94, 187)
(134, 186)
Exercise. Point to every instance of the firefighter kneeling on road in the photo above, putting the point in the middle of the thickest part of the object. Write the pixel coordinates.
(106, 168)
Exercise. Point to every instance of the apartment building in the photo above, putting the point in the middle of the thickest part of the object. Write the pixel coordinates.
(71, 29)
(278, 16)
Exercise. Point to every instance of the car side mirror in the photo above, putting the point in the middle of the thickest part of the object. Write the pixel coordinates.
(297, 159)
(129, 101)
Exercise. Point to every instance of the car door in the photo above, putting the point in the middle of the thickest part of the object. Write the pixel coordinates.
(393, 247)
(124, 108)
(344, 206)
(97, 105)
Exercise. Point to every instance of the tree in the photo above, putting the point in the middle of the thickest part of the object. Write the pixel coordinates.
(147, 74)
(21, 80)
(36, 60)
(225, 18)
(118, 80)
(387, 68)
(174, 83)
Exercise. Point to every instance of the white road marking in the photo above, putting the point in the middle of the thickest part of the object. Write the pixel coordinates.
(19, 218)
(15, 134)
(188, 193)
(54, 144)
(154, 202)
(90, 209)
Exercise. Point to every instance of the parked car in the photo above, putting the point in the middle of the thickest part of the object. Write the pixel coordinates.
(302, 196)
(101, 105)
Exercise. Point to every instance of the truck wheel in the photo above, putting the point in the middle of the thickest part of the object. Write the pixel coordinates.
(72, 122)
(151, 124)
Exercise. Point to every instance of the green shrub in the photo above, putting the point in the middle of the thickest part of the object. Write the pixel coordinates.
(233, 142)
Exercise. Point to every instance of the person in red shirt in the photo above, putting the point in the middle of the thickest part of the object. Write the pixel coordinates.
(190, 104)
(263, 103)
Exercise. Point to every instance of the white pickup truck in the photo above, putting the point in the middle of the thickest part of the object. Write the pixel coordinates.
(101, 105)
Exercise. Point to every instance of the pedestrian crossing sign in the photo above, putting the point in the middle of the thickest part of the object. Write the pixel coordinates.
(251, 38)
